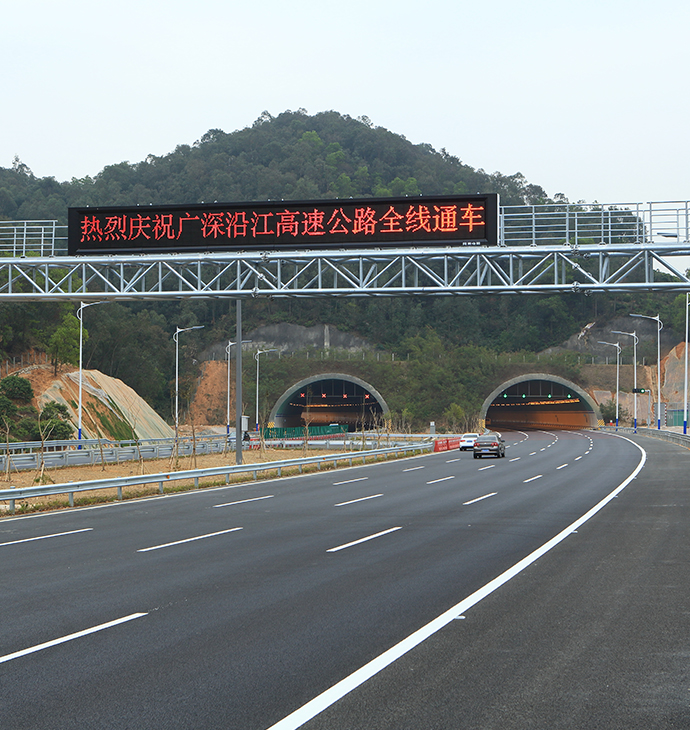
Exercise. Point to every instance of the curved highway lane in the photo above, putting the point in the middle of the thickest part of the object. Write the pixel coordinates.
(237, 606)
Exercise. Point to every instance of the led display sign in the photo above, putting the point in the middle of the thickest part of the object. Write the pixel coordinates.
(285, 225)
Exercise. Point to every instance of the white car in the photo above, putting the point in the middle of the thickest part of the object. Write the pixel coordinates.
(467, 441)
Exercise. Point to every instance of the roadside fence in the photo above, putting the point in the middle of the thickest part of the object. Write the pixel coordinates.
(161, 479)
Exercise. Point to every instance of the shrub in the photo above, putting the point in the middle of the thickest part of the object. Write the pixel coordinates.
(16, 388)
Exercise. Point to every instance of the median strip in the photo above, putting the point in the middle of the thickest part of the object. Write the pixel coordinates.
(189, 539)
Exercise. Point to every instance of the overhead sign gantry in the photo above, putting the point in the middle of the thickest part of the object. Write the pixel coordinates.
(347, 248)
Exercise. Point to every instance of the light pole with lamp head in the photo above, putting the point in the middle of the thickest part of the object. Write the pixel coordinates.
(618, 363)
(178, 331)
(636, 339)
(256, 357)
(227, 422)
(82, 305)
(660, 326)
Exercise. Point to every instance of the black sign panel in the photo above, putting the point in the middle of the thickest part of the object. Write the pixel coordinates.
(286, 225)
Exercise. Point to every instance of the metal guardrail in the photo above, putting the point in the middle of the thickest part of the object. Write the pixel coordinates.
(28, 455)
(664, 435)
(109, 454)
(163, 478)
(23, 447)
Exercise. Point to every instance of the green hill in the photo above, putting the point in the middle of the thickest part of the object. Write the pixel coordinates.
(291, 156)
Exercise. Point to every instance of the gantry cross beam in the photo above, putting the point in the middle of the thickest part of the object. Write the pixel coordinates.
(542, 249)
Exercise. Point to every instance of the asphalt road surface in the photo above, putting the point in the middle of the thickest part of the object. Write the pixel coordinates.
(547, 589)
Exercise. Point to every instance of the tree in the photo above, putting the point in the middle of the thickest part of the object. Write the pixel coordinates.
(54, 422)
(454, 416)
(16, 388)
(63, 345)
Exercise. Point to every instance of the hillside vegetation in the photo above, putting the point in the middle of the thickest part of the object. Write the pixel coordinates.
(448, 341)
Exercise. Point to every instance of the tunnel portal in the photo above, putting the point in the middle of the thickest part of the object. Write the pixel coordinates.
(539, 401)
(330, 398)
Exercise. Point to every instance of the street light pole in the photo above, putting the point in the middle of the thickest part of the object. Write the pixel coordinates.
(618, 363)
(660, 326)
(82, 305)
(178, 331)
(636, 339)
(227, 421)
(256, 357)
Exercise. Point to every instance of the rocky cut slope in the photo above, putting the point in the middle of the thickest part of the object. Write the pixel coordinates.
(110, 409)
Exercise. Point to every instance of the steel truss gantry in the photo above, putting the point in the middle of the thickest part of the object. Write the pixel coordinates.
(536, 269)
(558, 247)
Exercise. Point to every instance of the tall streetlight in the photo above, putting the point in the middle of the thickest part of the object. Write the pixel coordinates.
(660, 326)
(256, 357)
(618, 365)
(177, 371)
(82, 305)
(636, 339)
(227, 422)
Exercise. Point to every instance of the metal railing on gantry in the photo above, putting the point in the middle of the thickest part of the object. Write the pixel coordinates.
(542, 249)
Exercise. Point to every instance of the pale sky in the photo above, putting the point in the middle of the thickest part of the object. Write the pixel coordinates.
(586, 98)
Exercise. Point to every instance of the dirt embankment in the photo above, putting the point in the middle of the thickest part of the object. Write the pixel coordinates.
(110, 409)
(210, 403)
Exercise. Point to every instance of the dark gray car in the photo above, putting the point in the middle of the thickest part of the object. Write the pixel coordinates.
(489, 444)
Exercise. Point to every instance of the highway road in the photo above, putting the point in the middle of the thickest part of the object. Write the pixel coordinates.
(433, 592)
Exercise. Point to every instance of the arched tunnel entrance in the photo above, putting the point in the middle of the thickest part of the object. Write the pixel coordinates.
(539, 401)
(330, 398)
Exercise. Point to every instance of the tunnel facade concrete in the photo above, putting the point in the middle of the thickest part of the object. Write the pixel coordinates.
(539, 400)
(330, 398)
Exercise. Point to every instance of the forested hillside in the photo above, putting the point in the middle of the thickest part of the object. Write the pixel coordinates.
(292, 156)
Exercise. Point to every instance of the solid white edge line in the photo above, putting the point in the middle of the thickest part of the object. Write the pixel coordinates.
(188, 539)
(361, 499)
(362, 539)
(70, 637)
(45, 537)
(244, 501)
(312, 708)
(479, 499)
